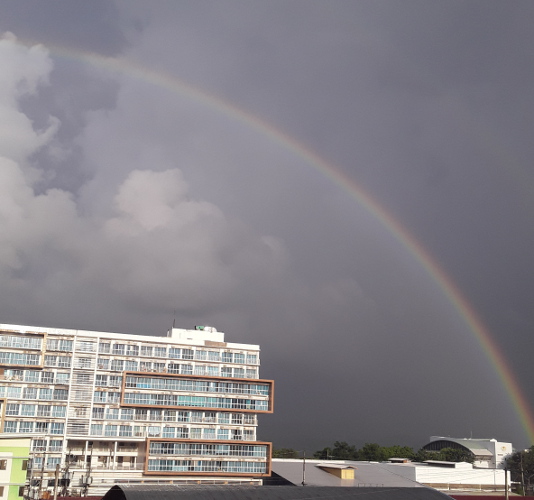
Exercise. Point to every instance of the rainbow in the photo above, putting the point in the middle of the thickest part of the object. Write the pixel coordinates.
(461, 305)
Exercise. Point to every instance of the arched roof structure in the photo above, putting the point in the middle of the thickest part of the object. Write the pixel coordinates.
(230, 492)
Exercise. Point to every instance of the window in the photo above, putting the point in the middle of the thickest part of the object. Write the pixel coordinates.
(3, 464)
(100, 397)
(112, 414)
(20, 341)
(104, 347)
(45, 394)
(159, 367)
(103, 363)
(41, 427)
(12, 409)
(209, 433)
(86, 346)
(117, 365)
(132, 350)
(239, 358)
(146, 350)
(131, 366)
(64, 361)
(31, 376)
(10, 426)
(223, 434)
(127, 414)
(25, 426)
(201, 354)
(28, 410)
(59, 411)
(30, 393)
(154, 431)
(83, 363)
(50, 360)
(252, 359)
(160, 352)
(115, 381)
(43, 411)
(14, 392)
(62, 378)
(227, 357)
(214, 355)
(55, 445)
(17, 358)
(119, 349)
(111, 430)
(38, 444)
(125, 431)
(51, 462)
(61, 394)
(57, 428)
(96, 429)
(98, 413)
(59, 345)
(114, 397)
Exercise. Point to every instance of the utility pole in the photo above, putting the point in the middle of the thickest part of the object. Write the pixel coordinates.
(304, 468)
(42, 477)
(56, 481)
(506, 483)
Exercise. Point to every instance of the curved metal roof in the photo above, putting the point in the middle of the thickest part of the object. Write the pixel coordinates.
(229, 492)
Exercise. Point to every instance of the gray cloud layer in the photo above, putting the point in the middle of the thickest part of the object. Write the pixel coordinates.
(122, 201)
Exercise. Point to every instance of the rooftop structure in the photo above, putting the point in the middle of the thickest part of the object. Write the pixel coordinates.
(165, 492)
(108, 407)
(486, 453)
(444, 476)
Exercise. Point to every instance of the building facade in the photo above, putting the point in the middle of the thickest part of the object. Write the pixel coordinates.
(486, 453)
(103, 408)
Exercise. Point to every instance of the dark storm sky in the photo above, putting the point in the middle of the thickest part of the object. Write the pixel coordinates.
(122, 201)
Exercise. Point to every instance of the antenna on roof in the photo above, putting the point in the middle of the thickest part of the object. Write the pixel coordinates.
(174, 319)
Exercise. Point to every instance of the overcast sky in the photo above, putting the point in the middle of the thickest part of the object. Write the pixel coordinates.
(124, 196)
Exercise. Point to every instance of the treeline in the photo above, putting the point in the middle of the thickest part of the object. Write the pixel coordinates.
(373, 452)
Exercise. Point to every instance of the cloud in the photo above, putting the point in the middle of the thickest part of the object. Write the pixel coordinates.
(156, 246)
(23, 71)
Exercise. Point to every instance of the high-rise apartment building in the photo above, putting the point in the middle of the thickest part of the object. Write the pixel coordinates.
(103, 408)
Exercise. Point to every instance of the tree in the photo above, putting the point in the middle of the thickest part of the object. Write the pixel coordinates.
(344, 451)
(397, 451)
(373, 452)
(324, 454)
(521, 467)
(285, 453)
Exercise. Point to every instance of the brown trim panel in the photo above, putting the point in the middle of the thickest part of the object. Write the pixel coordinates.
(270, 399)
(210, 457)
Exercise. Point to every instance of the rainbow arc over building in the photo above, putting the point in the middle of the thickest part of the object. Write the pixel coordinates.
(132, 69)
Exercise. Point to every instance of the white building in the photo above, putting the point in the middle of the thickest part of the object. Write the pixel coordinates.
(487, 453)
(451, 476)
(109, 407)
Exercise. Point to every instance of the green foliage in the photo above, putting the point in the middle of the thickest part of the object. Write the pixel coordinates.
(521, 466)
(373, 452)
(285, 453)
